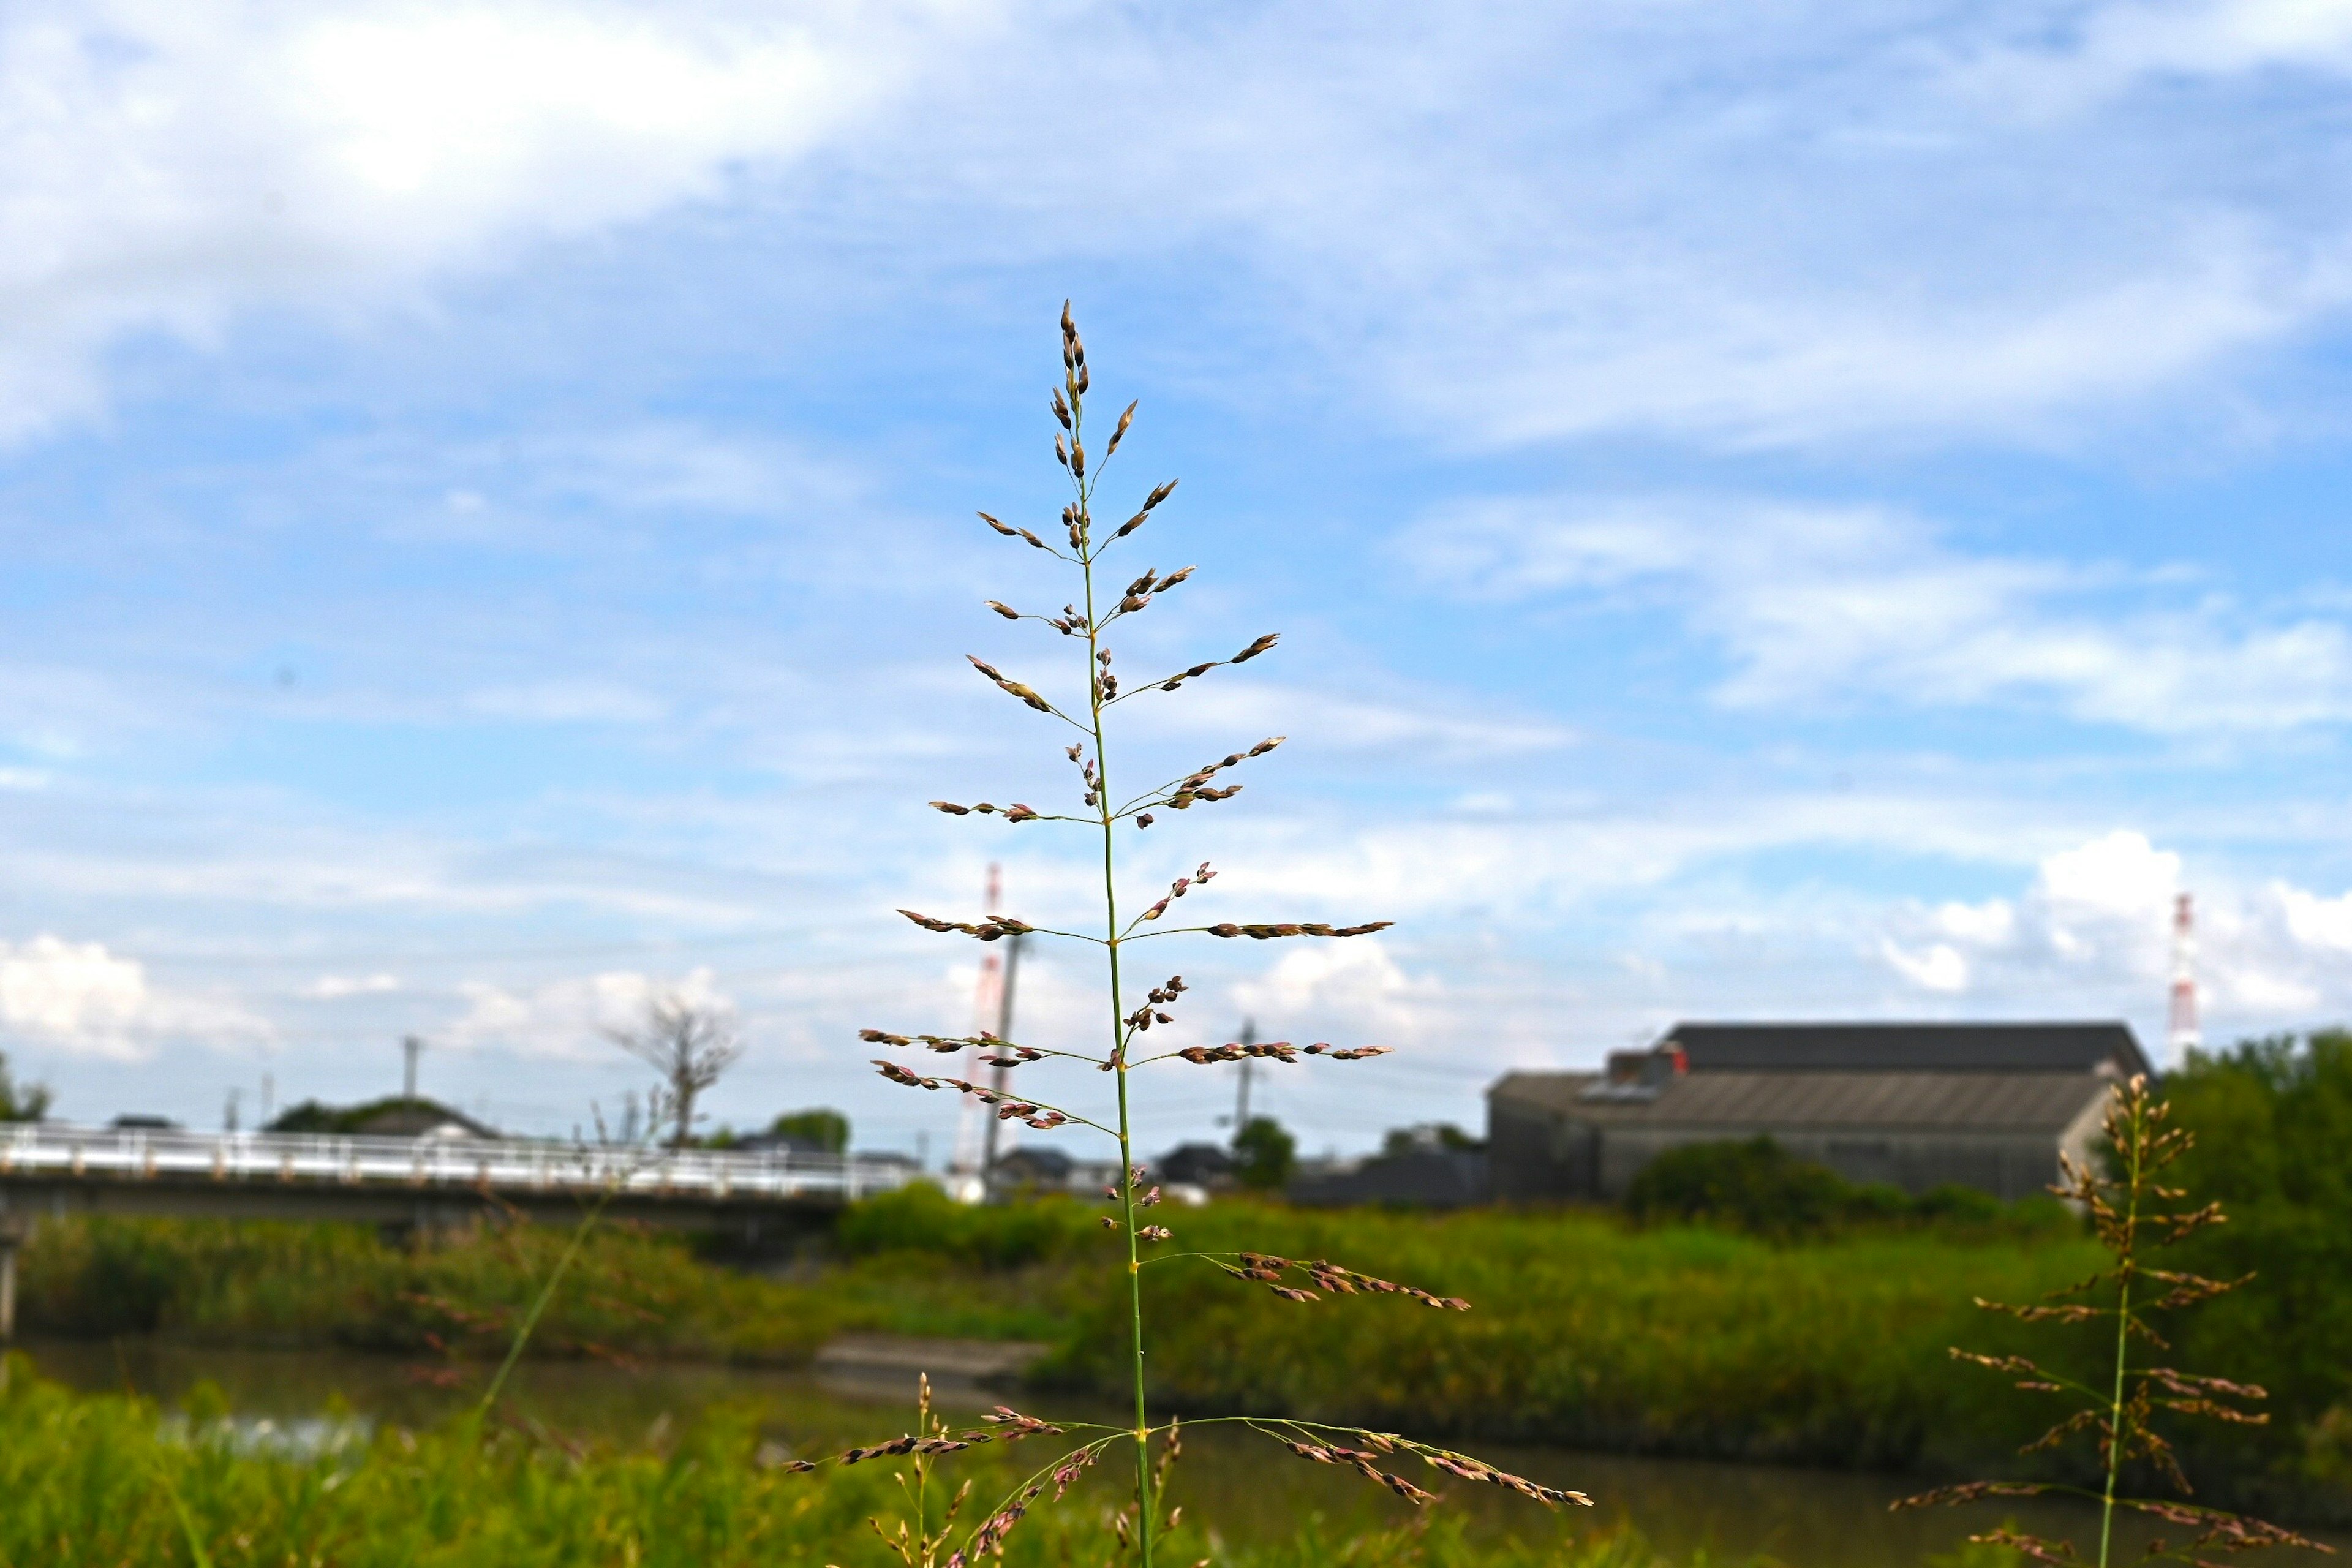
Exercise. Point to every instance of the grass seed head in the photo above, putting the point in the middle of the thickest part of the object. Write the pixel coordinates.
(1257, 647)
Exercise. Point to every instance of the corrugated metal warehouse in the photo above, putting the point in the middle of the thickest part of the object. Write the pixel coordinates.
(1918, 1105)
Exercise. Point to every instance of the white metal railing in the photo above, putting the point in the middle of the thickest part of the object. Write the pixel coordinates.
(511, 1166)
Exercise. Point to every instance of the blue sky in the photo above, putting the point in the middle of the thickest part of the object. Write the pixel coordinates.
(1772, 512)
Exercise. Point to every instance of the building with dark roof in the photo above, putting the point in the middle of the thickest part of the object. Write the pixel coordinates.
(1917, 1105)
(1909, 1048)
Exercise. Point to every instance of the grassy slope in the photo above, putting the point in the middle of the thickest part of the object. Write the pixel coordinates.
(1687, 1340)
(107, 1480)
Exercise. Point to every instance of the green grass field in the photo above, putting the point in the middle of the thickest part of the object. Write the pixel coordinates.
(99, 1481)
(1584, 1329)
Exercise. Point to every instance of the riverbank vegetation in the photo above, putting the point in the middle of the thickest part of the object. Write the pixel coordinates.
(1587, 1330)
(1825, 1347)
(109, 1479)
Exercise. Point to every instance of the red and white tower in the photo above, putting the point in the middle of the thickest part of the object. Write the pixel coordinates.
(2181, 1034)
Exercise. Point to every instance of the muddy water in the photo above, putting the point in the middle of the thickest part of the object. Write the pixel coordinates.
(1807, 1519)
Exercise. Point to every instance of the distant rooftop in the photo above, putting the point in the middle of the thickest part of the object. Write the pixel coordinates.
(2063, 1048)
(1819, 1100)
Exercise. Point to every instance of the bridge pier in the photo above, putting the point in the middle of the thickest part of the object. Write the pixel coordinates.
(17, 1223)
(10, 1239)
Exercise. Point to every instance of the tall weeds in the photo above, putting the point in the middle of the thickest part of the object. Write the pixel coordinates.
(1088, 620)
(107, 1480)
(2135, 1214)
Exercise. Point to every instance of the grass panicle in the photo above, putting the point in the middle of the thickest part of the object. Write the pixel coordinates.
(1086, 704)
(2135, 1216)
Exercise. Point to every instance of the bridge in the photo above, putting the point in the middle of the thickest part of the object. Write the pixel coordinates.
(52, 1169)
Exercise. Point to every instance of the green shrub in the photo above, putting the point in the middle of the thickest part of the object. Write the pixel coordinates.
(1264, 1153)
(827, 1130)
(219, 1280)
(1757, 1186)
(2273, 1125)
(922, 1219)
(1585, 1333)
(1754, 1185)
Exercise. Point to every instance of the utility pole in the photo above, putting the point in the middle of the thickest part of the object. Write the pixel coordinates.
(975, 1142)
(411, 1047)
(228, 1114)
(997, 1075)
(268, 1100)
(1241, 1107)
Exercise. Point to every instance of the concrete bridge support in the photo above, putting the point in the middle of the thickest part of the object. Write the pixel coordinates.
(13, 1235)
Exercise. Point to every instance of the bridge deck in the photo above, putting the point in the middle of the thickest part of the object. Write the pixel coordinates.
(54, 1153)
(53, 1169)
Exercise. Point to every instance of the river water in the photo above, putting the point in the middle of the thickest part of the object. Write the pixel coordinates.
(1807, 1519)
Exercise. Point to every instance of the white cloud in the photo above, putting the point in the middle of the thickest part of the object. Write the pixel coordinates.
(565, 702)
(1515, 223)
(2313, 920)
(1940, 967)
(2103, 907)
(83, 999)
(2097, 921)
(1748, 226)
(2120, 876)
(1428, 727)
(2116, 47)
(1828, 604)
(165, 163)
(1988, 924)
(335, 987)
(1337, 987)
(76, 993)
(569, 1018)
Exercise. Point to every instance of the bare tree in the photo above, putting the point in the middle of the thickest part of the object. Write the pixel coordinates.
(690, 1046)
